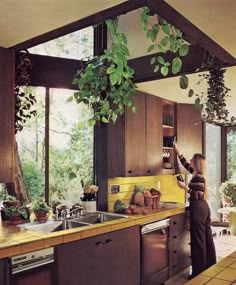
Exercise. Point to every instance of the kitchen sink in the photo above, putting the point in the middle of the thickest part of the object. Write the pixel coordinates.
(53, 226)
(87, 219)
(99, 217)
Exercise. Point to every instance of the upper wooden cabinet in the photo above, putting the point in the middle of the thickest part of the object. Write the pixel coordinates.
(134, 142)
(7, 77)
(189, 131)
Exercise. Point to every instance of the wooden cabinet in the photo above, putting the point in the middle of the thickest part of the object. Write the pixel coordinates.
(189, 131)
(179, 243)
(112, 258)
(134, 142)
(3, 272)
(7, 72)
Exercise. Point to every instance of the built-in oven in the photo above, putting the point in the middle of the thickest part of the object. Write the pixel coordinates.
(154, 252)
(33, 268)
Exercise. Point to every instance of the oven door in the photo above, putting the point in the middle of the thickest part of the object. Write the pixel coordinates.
(154, 255)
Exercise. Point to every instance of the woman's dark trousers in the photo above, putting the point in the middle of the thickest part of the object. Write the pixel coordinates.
(203, 254)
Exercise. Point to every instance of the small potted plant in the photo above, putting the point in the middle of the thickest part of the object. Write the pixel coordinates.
(11, 201)
(40, 209)
(15, 214)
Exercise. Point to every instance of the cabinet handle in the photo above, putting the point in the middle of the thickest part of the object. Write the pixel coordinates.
(130, 171)
(108, 241)
(99, 243)
(149, 171)
(174, 266)
(174, 236)
(175, 223)
(174, 251)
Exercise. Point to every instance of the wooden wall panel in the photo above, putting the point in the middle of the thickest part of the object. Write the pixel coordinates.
(7, 79)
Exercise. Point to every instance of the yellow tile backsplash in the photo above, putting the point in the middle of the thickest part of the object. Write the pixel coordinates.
(168, 188)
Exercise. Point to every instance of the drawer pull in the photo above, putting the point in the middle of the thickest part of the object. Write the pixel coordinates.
(130, 171)
(108, 241)
(174, 251)
(175, 223)
(99, 243)
(174, 236)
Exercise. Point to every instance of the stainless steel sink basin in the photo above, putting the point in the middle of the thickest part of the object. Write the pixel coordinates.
(99, 217)
(87, 219)
(53, 226)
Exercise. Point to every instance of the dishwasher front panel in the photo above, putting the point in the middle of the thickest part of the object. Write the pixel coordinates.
(154, 254)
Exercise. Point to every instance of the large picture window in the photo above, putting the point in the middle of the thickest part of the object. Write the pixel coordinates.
(230, 153)
(70, 148)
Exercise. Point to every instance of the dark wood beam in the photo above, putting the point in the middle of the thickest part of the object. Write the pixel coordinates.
(191, 32)
(59, 72)
(91, 20)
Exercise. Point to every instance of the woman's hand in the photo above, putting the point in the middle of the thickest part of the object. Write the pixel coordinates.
(176, 148)
(182, 185)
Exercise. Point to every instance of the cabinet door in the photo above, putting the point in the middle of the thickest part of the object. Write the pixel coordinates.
(7, 78)
(135, 138)
(102, 260)
(154, 135)
(189, 131)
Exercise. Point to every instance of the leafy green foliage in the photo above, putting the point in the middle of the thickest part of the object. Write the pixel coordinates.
(15, 210)
(24, 98)
(106, 83)
(211, 104)
(164, 37)
(33, 178)
(228, 192)
(39, 204)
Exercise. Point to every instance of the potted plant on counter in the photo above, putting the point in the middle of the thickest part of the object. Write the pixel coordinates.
(15, 214)
(40, 208)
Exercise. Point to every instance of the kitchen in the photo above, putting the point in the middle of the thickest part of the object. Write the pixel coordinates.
(102, 201)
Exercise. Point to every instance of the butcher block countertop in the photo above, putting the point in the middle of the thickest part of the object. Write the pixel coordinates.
(15, 240)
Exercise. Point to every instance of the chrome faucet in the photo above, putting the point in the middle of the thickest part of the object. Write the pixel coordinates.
(67, 213)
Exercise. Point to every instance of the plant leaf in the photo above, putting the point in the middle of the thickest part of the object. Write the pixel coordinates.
(164, 70)
(153, 60)
(183, 82)
(176, 65)
(183, 50)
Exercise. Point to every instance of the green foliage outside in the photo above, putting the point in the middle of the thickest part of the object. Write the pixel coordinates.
(231, 155)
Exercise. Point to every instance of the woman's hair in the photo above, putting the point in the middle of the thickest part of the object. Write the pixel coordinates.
(200, 166)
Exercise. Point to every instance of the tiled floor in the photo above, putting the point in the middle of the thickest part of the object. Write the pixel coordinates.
(225, 244)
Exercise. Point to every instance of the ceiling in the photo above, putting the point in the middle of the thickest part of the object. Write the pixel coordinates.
(26, 19)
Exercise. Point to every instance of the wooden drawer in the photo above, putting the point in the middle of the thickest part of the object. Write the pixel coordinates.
(179, 223)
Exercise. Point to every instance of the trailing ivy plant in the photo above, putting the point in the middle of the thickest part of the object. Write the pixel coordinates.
(106, 82)
(24, 99)
(212, 104)
(164, 38)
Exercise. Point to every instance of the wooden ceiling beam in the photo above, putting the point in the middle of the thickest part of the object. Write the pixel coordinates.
(191, 32)
(59, 72)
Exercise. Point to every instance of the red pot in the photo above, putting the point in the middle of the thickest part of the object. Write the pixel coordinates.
(41, 215)
(15, 219)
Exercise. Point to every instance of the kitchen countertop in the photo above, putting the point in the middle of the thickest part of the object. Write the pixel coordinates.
(15, 240)
(222, 273)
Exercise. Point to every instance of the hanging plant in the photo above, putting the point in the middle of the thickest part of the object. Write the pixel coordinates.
(106, 82)
(24, 100)
(212, 103)
(164, 38)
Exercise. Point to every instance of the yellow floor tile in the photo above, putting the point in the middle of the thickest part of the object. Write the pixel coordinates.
(199, 280)
(213, 271)
(218, 282)
(228, 274)
(227, 261)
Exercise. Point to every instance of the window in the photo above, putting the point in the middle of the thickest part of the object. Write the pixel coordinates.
(230, 153)
(70, 148)
(56, 146)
